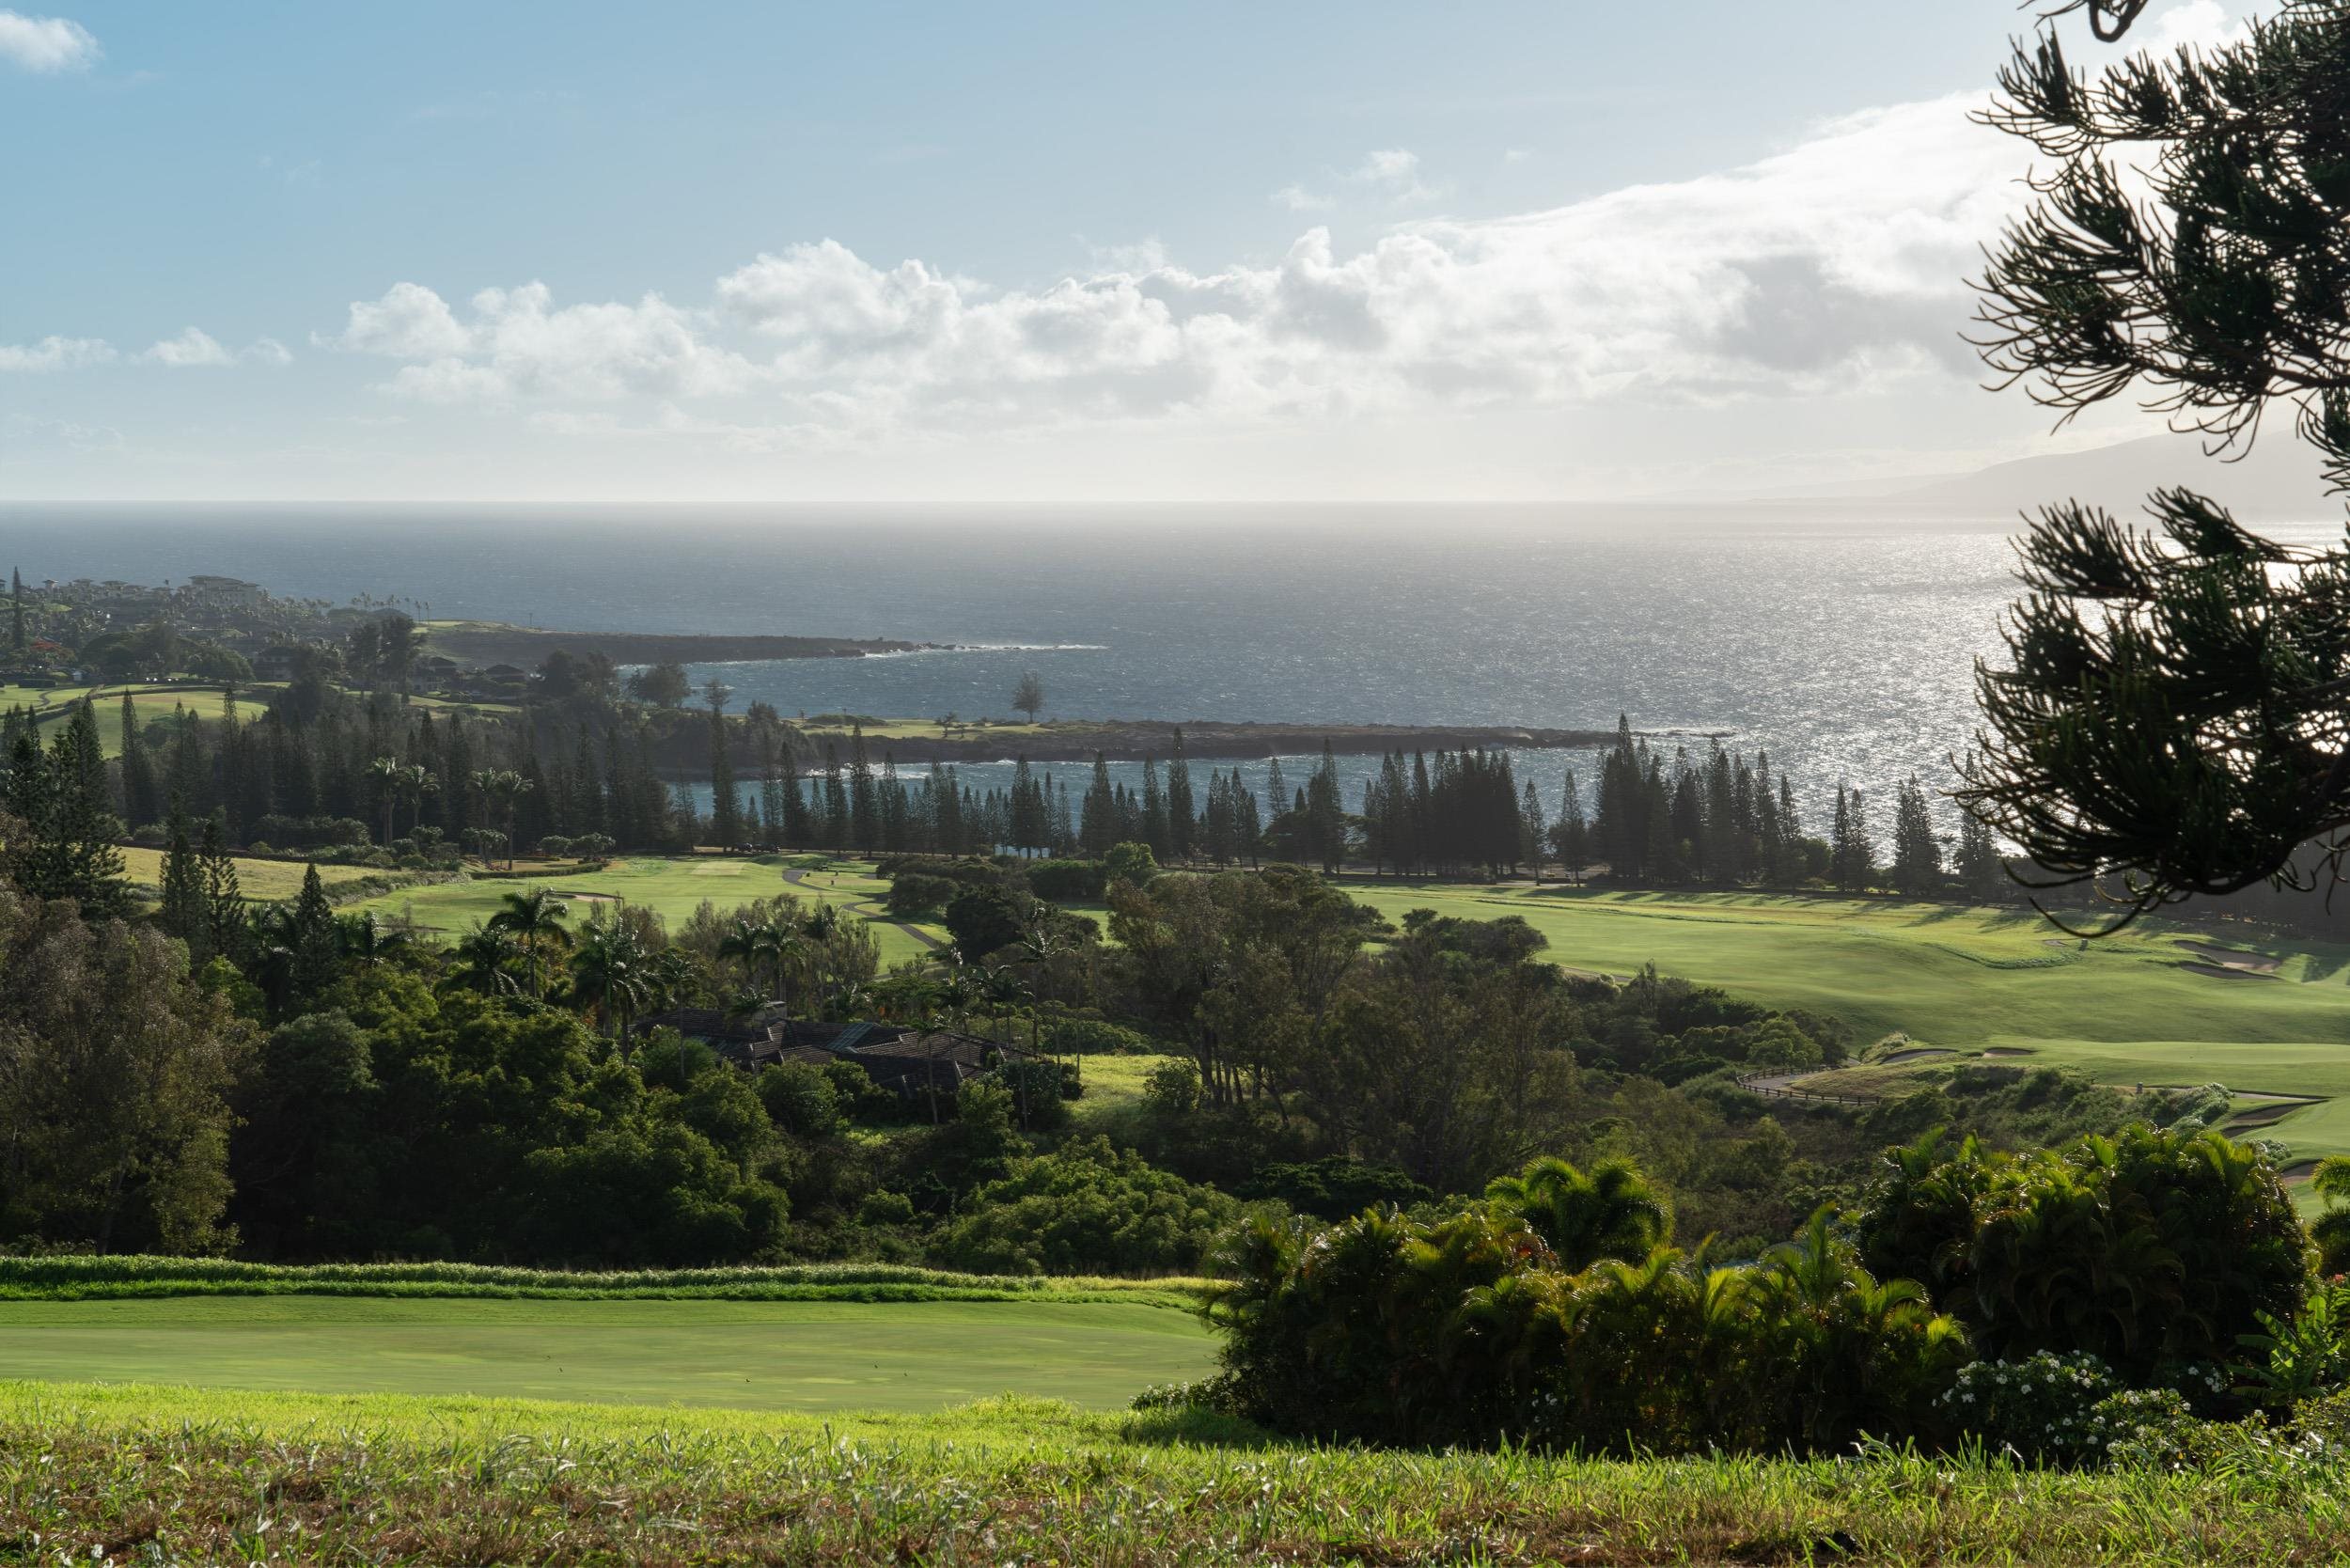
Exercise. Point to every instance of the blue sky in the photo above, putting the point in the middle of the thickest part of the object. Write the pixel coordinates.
(997, 253)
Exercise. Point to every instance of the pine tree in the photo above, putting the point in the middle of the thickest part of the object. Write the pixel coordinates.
(83, 821)
(1982, 869)
(1155, 830)
(16, 610)
(314, 941)
(1532, 830)
(1571, 835)
(223, 900)
(1181, 823)
(864, 804)
(1097, 818)
(1917, 855)
(140, 804)
(726, 806)
(184, 912)
(1277, 791)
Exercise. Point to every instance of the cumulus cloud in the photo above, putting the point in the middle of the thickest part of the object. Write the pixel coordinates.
(517, 343)
(1395, 171)
(47, 44)
(1834, 263)
(55, 353)
(192, 349)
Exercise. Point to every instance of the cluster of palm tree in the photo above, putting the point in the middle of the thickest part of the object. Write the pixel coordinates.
(607, 968)
(502, 790)
(2147, 1248)
(1475, 1329)
(398, 783)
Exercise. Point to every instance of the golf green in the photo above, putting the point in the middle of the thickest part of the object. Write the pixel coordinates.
(781, 1355)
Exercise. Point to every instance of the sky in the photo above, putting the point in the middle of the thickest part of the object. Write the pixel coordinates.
(1014, 253)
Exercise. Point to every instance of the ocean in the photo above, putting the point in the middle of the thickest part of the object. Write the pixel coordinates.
(1841, 641)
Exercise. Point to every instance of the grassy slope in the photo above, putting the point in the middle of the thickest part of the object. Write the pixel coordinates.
(202, 1475)
(673, 886)
(768, 1354)
(2127, 1007)
(257, 879)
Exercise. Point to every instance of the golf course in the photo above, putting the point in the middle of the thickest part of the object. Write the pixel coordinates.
(2162, 1002)
(813, 1356)
(672, 887)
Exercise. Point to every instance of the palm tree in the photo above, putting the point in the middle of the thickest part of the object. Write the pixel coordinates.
(752, 940)
(369, 939)
(1610, 1212)
(486, 956)
(502, 788)
(536, 917)
(386, 773)
(609, 972)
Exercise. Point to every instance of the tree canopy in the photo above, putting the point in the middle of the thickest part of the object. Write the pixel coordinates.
(2171, 720)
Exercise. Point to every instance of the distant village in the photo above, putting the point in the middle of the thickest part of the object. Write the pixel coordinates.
(209, 630)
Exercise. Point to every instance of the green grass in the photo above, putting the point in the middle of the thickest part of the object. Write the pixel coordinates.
(672, 887)
(94, 1474)
(2128, 1007)
(1113, 1085)
(266, 880)
(122, 1275)
(748, 1354)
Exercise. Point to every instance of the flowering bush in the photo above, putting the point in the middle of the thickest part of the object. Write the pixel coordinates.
(2146, 1426)
(2044, 1408)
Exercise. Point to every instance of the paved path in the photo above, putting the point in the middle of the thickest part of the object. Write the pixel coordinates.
(869, 908)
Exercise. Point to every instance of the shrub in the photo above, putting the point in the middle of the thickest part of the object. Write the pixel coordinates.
(1040, 1090)
(1088, 1208)
(883, 1207)
(2150, 1249)
(985, 919)
(1068, 881)
(1172, 1090)
(2043, 1407)
(914, 895)
(1335, 1188)
(1087, 1037)
(1464, 1331)
(1130, 862)
(801, 1099)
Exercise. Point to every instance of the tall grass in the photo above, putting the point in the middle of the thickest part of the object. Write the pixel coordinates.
(92, 1475)
(87, 1277)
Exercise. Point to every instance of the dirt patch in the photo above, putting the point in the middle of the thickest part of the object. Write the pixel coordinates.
(2234, 959)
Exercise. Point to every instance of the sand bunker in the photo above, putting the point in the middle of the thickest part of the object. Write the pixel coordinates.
(2232, 959)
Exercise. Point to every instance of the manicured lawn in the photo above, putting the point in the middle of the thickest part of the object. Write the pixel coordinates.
(768, 1355)
(2128, 1008)
(1945, 974)
(266, 880)
(673, 886)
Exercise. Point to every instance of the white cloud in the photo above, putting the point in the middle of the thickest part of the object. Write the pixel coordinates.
(2195, 25)
(1395, 171)
(190, 349)
(518, 344)
(1296, 199)
(1832, 265)
(55, 353)
(45, 43)
(266, 351)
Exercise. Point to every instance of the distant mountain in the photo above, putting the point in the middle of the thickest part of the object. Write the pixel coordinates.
(2278, 481)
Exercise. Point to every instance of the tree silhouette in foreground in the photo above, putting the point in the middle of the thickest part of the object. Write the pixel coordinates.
(2174, 720)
